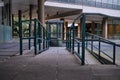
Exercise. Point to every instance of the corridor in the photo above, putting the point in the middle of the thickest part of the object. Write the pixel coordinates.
(54, 64)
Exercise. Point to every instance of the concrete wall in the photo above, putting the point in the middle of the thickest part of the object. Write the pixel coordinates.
(5, 33)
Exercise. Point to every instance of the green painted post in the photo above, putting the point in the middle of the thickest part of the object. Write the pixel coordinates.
(83, 38)
(20, 30)
(78, 48)
(66, 40)
(20, 34)
(39, 35)
(46, 38)
(35, 36)
(29, 40)
(73, 39)
(92, 44)
(70, 40)
(43, 38)
(99, 47)
(86, 40)
(114, 53)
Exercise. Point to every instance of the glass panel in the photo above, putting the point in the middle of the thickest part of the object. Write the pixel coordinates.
(104, 1)
(115, 2)
(53, 28)
(110, 1)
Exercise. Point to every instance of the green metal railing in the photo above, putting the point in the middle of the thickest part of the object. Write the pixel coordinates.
(94, 45)
(71, 41)
(40, 36)
(87, 42)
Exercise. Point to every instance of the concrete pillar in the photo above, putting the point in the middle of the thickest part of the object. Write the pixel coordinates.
(93, 27)
(41, 11)
(30, 15)
(79, 30)
(62, 19)
(105, 28)
(19, 18)
(65, 29)
(2, 15)
(12, 24)
(10, 12)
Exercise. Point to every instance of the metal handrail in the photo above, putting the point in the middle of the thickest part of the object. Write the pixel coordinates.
(100, 39)
(37, 37)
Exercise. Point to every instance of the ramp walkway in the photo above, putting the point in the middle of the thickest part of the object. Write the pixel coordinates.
(54, 64)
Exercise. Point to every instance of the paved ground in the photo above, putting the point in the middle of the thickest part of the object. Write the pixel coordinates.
(54, 64)
(11, 48)
(108, 49)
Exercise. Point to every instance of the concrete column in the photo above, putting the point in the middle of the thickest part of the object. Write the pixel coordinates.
(19, 18)
(2, 15)
(93, 27)
(41, 11)
(105, 28)
(65, 29)
(30, 15)
(10, 8)
(12, 24)
(79, 30)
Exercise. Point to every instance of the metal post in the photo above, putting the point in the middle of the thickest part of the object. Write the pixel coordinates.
(13, 25)
(92, 44)
(99, 47)
(86, 40)
(29, 40)
(78, 48)
(83, 38)
(70, 40)
(73, 39)
(114, 53)
(20, 30)
(39, 35)
(30, 14)
(66, 40)
(35, 35)
(43, 38)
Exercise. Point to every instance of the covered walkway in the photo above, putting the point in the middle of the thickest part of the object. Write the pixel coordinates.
(54, 64)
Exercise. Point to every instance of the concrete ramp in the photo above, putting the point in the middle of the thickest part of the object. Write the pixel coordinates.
(55, 64)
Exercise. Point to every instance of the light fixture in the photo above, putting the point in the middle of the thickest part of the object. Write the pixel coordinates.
(1, 3)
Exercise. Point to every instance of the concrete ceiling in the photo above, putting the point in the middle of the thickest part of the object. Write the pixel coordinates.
(49, 10)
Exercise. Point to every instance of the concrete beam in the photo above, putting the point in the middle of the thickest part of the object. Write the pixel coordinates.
(70, 13)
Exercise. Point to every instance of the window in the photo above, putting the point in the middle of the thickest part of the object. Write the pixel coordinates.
(115, 2)
(104, 1)
(110, 1)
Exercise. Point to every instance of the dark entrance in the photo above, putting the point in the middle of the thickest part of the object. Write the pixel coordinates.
(55, 28)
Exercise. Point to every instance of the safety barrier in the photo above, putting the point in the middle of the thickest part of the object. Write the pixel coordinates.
(71, 40)
(87, 40)
(97, 44)
(40, 36)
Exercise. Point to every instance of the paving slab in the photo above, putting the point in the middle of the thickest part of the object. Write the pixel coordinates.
(54, 64)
